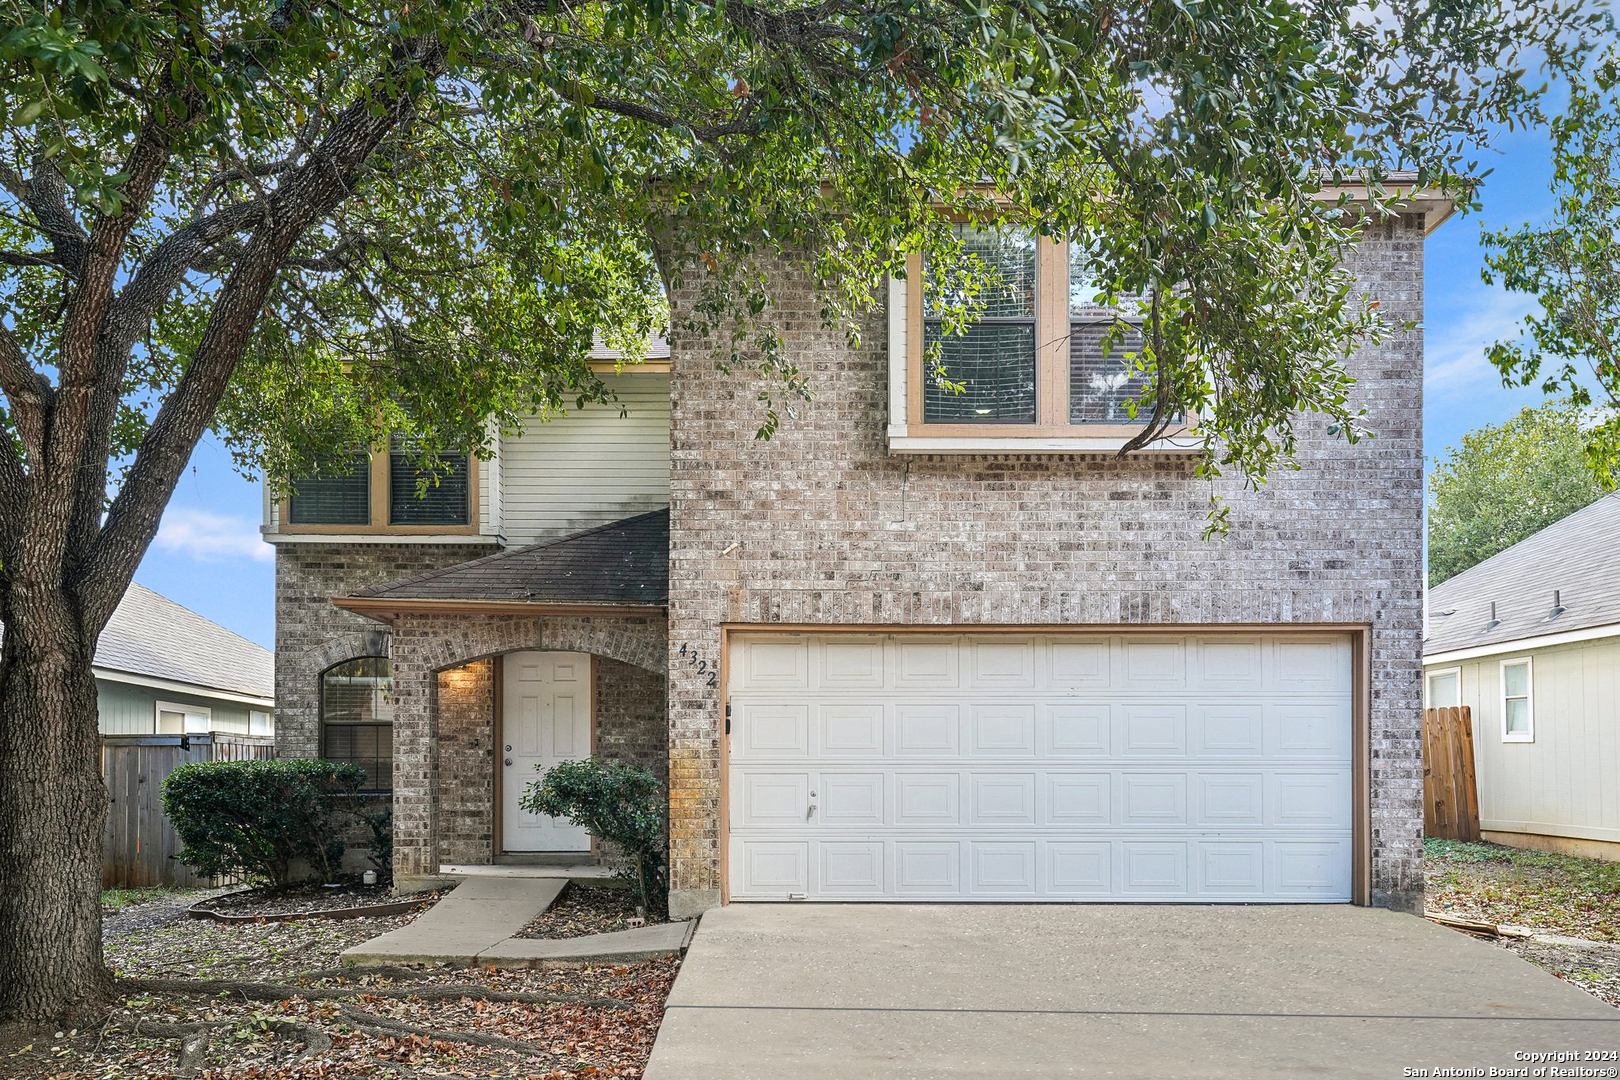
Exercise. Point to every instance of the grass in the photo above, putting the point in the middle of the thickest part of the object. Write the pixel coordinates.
(123, 898)
(1564, 894)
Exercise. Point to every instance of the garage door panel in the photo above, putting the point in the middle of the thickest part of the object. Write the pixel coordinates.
(1001, 729)
(928, 799)
(1077, 729)
(1150, 768)
(927, 730)
(851, 729)
(1147, 730)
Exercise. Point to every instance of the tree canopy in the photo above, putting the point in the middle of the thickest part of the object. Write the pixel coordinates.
(1505, 482)
(1571, 264)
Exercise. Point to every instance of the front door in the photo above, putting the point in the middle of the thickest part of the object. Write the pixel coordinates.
(545, 719)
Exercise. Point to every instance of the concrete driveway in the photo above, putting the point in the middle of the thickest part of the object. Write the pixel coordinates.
(835, 991)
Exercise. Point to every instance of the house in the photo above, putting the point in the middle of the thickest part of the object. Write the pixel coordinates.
(1529, 640)
(917, 646)
(162, 669)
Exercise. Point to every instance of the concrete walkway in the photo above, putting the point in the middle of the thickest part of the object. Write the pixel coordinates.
(473, 926)
(793, 991)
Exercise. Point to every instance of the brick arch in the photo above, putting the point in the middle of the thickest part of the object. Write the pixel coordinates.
(437, 643)
(347, 646)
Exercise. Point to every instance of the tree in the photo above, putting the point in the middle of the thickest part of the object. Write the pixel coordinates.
(1506, 482)
(308, 223)
(1571, 265)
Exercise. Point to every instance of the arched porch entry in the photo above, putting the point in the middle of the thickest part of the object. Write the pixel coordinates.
(550, 687)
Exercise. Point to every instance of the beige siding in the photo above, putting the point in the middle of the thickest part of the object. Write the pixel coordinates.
(590, 467)
(1567, 781)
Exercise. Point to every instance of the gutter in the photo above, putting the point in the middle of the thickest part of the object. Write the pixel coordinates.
(385, 609)
(1542, 641)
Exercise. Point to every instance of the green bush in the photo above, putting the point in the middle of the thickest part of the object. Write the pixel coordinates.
(622, 804)
(256, 818)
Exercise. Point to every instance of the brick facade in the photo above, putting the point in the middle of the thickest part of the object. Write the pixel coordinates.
(821, 525)
(445, 687)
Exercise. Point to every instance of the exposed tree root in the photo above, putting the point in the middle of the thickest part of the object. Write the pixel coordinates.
(193, 1054)
(372, 1024)
(195, 1037)
(263, 991)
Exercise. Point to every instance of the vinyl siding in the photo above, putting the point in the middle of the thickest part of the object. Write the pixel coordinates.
(132, 710)
(1566, 782)
(590, 467)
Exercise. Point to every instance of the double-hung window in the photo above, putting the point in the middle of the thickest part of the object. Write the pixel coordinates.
(1518, 709)
(1038, 365)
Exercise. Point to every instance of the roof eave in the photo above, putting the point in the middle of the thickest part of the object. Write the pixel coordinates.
(385, 609)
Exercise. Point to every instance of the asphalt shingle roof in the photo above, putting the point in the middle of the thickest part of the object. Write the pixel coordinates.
(153, 636)
(1578, 556)
(625, 562)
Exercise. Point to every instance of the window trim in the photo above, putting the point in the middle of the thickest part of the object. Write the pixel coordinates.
(1052, 430)
(161, 707)
(1428, 695)
(381, 510)
(1528, 735)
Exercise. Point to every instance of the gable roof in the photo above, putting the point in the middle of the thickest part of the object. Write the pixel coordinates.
(621, 564)
(1578, 556)
(152, 636)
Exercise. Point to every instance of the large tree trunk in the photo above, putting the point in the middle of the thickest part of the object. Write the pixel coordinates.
(53, 803)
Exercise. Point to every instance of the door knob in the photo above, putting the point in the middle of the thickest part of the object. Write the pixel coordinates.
(509, 761)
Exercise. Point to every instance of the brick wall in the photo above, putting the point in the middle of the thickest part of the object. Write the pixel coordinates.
(824, 526)
(312, 634)
(631, 716)
(467, 762)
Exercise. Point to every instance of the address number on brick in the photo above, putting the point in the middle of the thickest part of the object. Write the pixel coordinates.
(709, 672)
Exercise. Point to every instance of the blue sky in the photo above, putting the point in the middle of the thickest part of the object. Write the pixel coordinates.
(209, 556)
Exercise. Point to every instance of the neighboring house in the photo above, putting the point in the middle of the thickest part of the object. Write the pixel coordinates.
(1529, 640)
(917, 646)
(163, 669)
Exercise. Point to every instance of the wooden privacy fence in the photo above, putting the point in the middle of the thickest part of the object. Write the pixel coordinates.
(139, 839)
(1450, 795)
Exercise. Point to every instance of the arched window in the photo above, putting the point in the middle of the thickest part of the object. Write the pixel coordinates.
(357, 718)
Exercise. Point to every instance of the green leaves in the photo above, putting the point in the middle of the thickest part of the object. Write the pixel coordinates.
(622, 804)
(1508, 481)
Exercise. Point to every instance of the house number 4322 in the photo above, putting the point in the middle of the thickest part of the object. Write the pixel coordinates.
(706, 671)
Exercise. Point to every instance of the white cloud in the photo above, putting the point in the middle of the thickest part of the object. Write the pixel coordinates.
(211, 537)
(1454, 346)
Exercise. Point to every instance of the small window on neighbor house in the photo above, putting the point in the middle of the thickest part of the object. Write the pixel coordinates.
(334, 498)
(993, 360)
(1445, 689)
(1518, 714)
(261, 723)
(444, 502)
(173, 719)
(357, 718)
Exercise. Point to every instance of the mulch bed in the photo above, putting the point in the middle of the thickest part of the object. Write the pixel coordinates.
(268, 1001)
(583, 910)
(345, 900)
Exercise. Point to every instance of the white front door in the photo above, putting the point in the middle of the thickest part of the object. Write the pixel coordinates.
(545, 719)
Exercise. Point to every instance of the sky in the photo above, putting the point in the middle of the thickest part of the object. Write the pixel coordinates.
(209, 556)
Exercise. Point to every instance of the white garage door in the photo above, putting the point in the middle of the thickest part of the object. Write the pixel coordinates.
(1051, 767)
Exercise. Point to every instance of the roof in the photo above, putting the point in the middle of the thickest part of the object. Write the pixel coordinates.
(624, 563)
(1579, 557)
(152, 636)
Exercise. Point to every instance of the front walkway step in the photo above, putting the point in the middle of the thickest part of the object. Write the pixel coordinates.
(619, 946)
(476, 915)
(576, 871)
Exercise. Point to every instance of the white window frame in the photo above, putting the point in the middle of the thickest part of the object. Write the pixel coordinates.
(1428, 690)
(1528, 735)
(187, 711)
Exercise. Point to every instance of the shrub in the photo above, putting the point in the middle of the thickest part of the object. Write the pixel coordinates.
(622, 804)
(255, 818)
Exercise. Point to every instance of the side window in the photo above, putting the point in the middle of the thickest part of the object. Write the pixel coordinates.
(357, 718)
(1445, 689)
(1518, 711)
(174, 719)
(336, 498)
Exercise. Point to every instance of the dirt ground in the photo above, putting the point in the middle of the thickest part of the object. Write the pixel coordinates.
(1572, 903)
(267, 1001)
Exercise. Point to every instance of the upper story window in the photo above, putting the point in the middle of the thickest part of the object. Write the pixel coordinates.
(1041, 366)
(387, 492)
